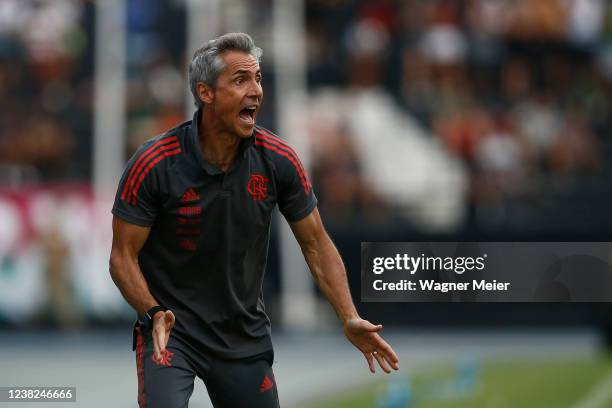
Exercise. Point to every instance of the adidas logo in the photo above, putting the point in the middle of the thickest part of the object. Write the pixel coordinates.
(266, 384)
(190, 195)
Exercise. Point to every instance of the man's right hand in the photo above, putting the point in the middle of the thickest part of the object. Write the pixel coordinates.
(162, 325)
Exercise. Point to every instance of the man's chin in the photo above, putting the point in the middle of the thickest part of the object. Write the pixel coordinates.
(246, 131)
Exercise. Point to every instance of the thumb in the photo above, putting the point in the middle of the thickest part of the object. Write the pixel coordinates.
(367, 326)
(169, 319)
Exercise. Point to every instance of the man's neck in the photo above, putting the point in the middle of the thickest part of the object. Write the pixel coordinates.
(219, 147)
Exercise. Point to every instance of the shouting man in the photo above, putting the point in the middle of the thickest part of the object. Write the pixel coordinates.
(191, 228)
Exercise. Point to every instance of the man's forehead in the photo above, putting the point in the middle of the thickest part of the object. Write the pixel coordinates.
(239, 61)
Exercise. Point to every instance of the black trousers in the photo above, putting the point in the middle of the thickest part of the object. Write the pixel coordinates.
(231, 383)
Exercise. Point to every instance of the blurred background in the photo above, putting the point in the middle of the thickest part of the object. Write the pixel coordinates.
(475, 120)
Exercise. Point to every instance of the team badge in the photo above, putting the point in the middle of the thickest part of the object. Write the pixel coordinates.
(258, 187)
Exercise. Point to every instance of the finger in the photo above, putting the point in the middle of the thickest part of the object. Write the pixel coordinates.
(169, 320)
(394, 364)
(384, 347)
(370, 361)
(382, 362)
(156, 348)
(166, 338)
(390, 356)
(161, 340)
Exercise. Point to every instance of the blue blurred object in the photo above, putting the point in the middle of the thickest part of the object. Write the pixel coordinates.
(397, 394)
(467, 375)
(462, 386)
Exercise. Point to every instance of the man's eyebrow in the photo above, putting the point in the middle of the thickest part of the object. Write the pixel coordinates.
(246, 71)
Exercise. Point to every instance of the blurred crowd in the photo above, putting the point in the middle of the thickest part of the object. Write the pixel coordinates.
(46, 71)
(493, 112)
(47, 57)
(518, 91)
(156, 80)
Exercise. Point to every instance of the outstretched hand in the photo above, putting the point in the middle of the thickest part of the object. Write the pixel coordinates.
(163, 322)
(364, 335)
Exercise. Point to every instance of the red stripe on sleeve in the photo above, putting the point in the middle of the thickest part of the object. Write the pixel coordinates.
(160, 150)
(143, 157)
(275, 140)
(272, 137)
(160, 157)
(260, 142)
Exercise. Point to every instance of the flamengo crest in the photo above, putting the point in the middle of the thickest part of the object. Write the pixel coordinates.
(257, 187)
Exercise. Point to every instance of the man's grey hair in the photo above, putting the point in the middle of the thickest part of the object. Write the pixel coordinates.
(207, 64)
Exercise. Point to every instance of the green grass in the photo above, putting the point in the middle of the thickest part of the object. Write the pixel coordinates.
(502, 384)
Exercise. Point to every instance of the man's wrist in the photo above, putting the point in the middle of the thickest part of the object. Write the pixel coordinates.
(149, 314)
(346, 318)
(147, 319)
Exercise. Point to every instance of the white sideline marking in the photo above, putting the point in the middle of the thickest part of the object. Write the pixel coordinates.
(599, 396)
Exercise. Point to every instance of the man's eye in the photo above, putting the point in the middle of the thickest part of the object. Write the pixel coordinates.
(238, 81)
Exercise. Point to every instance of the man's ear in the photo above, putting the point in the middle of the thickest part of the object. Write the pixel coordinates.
(205, 92)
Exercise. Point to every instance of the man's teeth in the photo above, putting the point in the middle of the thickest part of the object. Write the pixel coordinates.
(250, 111)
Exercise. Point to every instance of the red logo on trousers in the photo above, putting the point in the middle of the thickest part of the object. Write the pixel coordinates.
(166, 358)
(266, 384)
(257, 187)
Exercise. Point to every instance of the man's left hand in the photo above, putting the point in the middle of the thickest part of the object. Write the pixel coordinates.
(364, 335)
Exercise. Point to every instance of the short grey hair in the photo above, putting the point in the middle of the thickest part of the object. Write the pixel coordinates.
(206, 64)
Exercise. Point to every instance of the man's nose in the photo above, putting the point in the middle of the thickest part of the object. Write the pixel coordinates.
(255, 90)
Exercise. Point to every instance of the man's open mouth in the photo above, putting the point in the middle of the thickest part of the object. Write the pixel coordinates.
(248, 114)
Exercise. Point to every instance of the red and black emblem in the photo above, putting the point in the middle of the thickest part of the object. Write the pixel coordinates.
(258, 187)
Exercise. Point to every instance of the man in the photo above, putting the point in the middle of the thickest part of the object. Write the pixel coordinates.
(191, 228)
